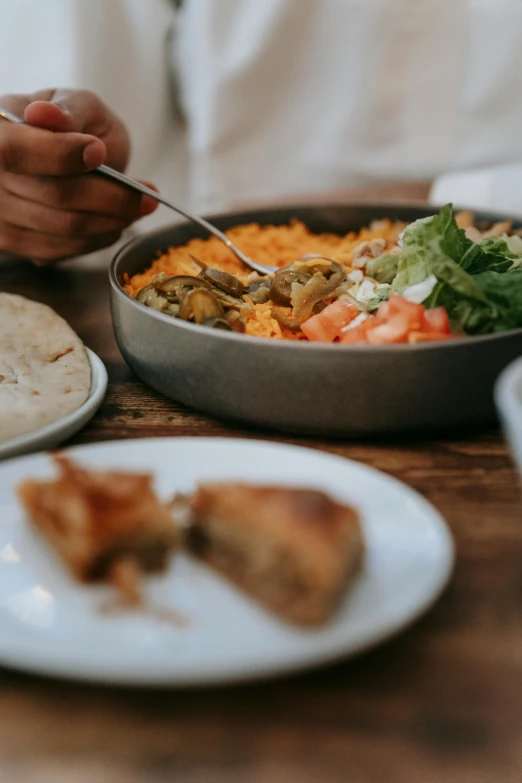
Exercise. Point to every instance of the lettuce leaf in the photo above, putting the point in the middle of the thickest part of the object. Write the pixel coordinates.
(479, 285)
(432, 238)
(383, 268)
(499, 309)
(426, 242)
(419, 292)
(460, 282)
(504, 292)
(493, 254)
(466, 315)
(454, 241)
(514, 243)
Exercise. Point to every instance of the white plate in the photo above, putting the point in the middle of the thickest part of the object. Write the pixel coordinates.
(59, 431)
(51, 625)
(508, 397)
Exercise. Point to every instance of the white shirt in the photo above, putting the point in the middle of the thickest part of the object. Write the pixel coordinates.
(255, 100)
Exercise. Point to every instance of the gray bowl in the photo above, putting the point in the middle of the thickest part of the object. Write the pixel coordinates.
(298, 386)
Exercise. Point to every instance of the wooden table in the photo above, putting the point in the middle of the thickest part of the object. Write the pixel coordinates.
(440, 704)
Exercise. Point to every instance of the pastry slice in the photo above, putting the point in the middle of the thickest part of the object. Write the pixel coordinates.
(104, 525)
(294, 550)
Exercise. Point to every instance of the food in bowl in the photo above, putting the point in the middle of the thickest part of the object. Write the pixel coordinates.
(392, 282)
(45, 372)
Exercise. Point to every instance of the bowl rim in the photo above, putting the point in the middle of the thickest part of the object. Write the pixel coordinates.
(245, 339)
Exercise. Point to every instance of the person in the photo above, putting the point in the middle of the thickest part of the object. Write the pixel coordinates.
(235, 101)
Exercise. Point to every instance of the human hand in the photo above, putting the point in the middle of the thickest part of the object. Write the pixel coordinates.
(49, 209)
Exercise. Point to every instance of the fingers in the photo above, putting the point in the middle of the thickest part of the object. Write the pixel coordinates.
(17, 104)
(28, 150)
(48, 233)
(46, 248)
(69, 110)
(78, 113)
(68, 224)
(84, 109)
(92, 194)
(81, 111)
(49, 209)
(51, 116)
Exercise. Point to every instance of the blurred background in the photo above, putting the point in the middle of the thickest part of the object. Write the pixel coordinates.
(230, 102)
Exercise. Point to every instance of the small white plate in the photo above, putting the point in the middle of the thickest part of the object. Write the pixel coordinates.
(51, 625)
(59, 431)
(508, 398)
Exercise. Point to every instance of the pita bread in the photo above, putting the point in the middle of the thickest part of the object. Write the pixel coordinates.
(44, 369)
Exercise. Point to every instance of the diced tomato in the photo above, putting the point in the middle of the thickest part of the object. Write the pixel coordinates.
(394, 330)
(410, 310)
(399, 321)
(436, 321)
(326, 325)
(354, 336)
(384, 310)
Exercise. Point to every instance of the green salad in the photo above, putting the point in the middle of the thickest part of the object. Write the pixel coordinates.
(478, 284)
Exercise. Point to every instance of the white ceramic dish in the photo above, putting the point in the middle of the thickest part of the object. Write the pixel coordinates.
(51, 625)
(59, 431)
(508, 397)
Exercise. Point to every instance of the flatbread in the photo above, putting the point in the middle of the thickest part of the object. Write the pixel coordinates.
(44, 369)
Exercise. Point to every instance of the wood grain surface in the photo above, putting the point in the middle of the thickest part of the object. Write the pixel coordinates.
(439, 704)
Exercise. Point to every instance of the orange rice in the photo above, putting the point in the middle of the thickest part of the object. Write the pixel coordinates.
(268, 245)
